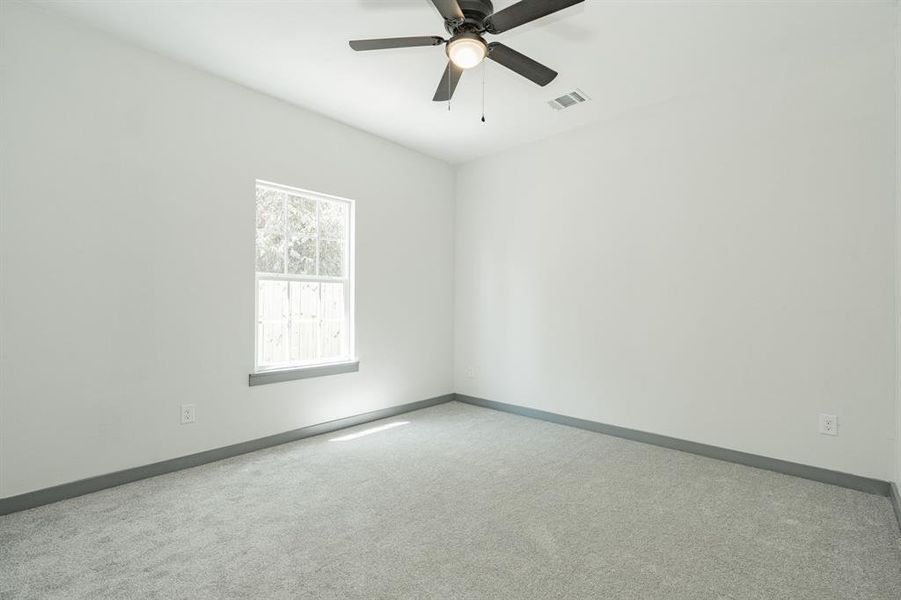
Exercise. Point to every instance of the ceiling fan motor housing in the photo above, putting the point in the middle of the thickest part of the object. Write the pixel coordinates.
(474, 14)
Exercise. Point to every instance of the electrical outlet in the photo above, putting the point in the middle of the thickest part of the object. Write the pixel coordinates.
(828, 424)
(187, 414)
(471, 372)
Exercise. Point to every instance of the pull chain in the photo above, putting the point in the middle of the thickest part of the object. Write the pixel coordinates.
(448, 86)
(484, 66)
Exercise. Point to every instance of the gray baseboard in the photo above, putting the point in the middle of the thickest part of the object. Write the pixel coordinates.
(854, 482)
(895, 497)
(100, 482)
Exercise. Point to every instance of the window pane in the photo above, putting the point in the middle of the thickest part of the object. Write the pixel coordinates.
(301, 217)
(304, 300)
(333, 219)
(303, 341)
(333, 301)
(272, 303)
(331, 258)
(333, 338)
(270, 252)
(302, 256)
(304, 321)
(270, 209)
(273, 343)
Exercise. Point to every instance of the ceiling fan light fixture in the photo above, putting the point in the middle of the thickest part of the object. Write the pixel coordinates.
(467, 50)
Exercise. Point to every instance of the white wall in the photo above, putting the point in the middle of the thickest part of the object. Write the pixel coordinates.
(898, 241)
(128, 257)
(717, 268)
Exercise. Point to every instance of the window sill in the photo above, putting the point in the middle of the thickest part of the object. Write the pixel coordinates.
(277, 376)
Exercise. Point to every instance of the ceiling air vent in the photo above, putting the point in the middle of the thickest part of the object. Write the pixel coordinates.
(567, 100)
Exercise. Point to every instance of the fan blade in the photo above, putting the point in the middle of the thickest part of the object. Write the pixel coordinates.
(448, 83)
(520, 63)
(524, 12)
(449, 9)
(402, 42)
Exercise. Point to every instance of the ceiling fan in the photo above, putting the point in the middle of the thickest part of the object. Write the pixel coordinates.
(467, 21)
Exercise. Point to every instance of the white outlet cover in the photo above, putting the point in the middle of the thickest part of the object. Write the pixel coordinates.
(828, 424)
(187, 413)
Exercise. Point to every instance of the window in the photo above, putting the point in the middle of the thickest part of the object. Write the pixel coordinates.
(304, 293)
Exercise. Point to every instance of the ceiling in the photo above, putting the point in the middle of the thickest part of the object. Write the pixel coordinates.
(625, 55)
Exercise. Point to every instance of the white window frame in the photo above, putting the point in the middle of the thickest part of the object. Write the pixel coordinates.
(348, 281)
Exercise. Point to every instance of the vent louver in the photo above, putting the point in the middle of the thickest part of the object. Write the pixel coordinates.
(567, 100)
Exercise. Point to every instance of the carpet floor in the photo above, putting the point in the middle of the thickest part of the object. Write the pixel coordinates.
(459, 502)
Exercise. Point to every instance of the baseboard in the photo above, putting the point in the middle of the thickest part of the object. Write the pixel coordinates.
(854, 482)
(101, 482)
(895, 497)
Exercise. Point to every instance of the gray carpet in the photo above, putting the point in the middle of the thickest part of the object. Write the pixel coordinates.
(462, 502)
